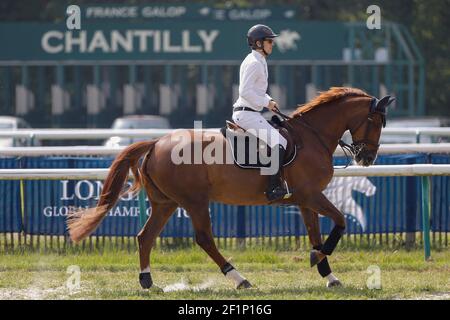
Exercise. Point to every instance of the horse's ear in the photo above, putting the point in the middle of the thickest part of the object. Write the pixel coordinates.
(384, 102)
(391, 99)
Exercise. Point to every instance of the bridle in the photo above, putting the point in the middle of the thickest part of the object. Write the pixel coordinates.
(359, 145)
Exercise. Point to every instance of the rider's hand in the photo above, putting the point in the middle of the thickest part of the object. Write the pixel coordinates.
(273, 105)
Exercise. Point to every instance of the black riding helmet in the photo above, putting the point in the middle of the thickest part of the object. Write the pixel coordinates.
(259, 32)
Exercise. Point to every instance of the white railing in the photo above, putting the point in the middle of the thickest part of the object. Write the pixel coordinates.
(108, 151)
(59, 151)
(85, 134)
(97, 134)
(53, 174)
(351, 171)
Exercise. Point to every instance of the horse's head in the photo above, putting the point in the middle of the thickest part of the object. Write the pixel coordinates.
(366, 133)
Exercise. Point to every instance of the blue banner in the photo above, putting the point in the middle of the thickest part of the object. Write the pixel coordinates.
(440, 191)
(371, 205)
(48, 202)
(10, 213)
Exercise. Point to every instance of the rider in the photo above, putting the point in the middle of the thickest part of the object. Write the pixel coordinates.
(253, 81)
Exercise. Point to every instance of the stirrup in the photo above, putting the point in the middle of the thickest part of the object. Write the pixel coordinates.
(279, 193)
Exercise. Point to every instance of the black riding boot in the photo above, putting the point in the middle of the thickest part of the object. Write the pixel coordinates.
(276, 189)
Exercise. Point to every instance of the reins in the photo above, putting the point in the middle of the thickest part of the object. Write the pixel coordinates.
(341, 143)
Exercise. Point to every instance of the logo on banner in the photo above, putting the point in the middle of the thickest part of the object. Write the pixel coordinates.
(340, 193)
(141, 41)
(86, 193)
(287, 40)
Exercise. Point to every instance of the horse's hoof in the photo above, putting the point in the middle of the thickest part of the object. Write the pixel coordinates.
(315, 257)
(244, 285)
(145, 279)
(156, 289)
(334, 283)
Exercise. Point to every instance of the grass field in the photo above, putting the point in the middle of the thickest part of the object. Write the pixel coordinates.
(190, 274)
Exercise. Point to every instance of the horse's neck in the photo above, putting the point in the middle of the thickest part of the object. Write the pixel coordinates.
(330, 122)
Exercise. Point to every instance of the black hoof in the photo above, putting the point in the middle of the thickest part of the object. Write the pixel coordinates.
(244, 285)
(335, 283)
(145, 279)
(314, 258)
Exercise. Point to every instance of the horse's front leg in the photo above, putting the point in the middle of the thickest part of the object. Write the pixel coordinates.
(317, 202)
(311, 220)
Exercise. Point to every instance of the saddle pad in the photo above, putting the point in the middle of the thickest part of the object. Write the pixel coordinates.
(250, 152)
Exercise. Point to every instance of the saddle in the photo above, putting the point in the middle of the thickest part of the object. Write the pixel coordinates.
(249, 152)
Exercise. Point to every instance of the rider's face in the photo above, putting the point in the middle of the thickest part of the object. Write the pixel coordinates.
(268, 45)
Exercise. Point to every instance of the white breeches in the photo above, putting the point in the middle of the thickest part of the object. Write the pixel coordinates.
(254, 123)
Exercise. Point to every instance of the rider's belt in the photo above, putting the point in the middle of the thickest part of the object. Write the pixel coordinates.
(243, 109)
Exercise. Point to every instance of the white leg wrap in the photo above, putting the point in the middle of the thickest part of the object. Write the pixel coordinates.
(146, 270)
(235, 276)
(331, 277)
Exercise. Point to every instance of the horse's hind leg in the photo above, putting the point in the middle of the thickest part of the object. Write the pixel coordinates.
(161, 212)
(311, 220)
(201, 222)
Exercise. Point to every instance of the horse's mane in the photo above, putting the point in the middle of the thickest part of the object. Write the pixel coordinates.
(327, 96)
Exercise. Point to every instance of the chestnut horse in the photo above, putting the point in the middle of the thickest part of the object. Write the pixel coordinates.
(317, 126)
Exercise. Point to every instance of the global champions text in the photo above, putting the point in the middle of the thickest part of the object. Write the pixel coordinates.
(84, 193)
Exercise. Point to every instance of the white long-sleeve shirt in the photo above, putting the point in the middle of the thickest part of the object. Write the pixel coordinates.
(253, 82)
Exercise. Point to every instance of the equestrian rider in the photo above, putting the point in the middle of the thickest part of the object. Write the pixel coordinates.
(253, 81)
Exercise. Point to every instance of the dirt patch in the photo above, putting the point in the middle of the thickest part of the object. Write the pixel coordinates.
(434, 296)
(35, 293)
(183, 285)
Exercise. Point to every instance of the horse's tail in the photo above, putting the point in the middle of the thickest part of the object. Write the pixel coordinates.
(82, 223)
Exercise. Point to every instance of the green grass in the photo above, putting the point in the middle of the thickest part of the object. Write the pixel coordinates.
(274, 274)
